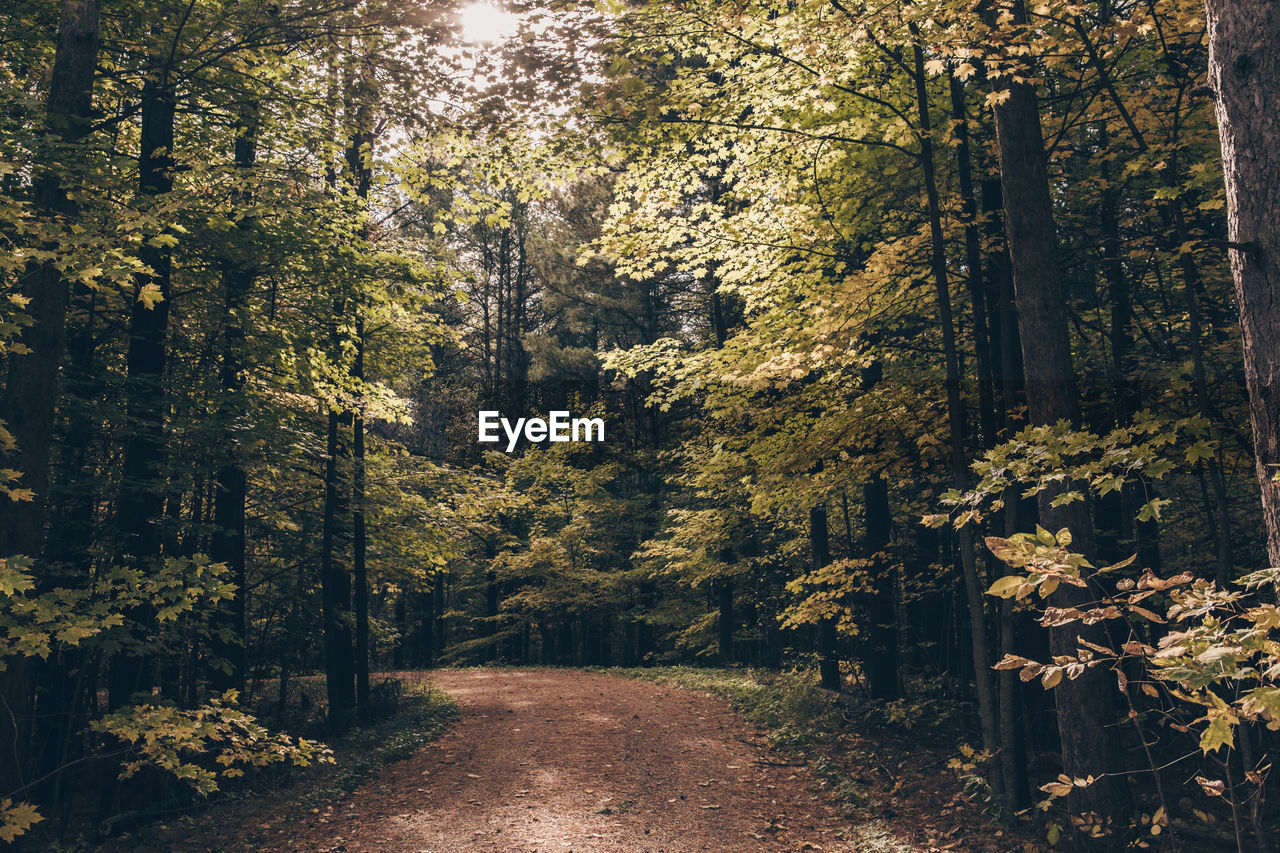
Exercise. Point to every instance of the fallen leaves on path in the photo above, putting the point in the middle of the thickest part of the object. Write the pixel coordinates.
(547, 761)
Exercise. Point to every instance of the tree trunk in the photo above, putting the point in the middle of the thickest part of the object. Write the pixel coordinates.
(228, 541)
(956, 420)
(335, 591)
(31, 386)
(141, 500)
(1244, 70)
(820, 546)
(1085, 718)
(973, 261)
(358, 540)
(725, 622)
(882, 670)
(359, 157)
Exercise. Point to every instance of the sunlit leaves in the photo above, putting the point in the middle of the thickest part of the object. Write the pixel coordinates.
(182, 742)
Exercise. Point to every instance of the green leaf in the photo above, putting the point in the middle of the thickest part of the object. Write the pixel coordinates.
(1218, 733)
(1006, 587)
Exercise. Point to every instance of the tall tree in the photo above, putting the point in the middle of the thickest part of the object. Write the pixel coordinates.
(141, 500)
(1244, 71)
(231, 485)
(31, 387)
(1085, 719)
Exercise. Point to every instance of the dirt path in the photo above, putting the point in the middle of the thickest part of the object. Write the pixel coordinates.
(554, 761)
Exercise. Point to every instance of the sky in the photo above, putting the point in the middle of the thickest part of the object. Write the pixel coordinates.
(488, 22)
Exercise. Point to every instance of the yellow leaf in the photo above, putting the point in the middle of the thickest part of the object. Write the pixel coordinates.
(150, 295)
(1006, 587)
(995, 98)
(16, 819)
(1216, 734)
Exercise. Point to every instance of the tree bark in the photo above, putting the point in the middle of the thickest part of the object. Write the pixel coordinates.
(725, 622)
(973, 262)
(882, 671)
(1085, 718)
(335, 590)
(358, 162)
(31, 386)
(1244, 71)
(359, 567)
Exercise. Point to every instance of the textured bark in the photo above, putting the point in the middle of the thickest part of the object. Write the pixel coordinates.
(1085, 707)
(359, 568)
(31, 387)
(358, 163)
(725, 622)
(1244, 70)
(973, 263)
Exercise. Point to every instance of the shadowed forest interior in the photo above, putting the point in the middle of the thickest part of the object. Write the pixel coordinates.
(936, 346)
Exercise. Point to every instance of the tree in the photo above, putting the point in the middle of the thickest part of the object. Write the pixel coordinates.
(1085, 723)
(31, 387)
(1244, 72)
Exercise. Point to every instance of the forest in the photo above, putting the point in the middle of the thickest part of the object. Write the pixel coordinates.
(934, 346)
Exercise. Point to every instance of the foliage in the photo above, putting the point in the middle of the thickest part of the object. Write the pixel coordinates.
(1205, 661)
(185, 743)
(767, 244)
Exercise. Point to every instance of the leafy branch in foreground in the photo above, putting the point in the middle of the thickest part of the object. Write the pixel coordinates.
(199, 746)
(1204, 660)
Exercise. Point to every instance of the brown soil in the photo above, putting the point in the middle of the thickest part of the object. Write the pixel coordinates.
(545, 761)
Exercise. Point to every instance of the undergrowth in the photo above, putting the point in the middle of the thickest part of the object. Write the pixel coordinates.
(425, 713)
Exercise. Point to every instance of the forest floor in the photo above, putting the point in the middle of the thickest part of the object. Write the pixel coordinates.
(548, 761)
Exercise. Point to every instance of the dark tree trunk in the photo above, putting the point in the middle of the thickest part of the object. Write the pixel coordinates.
(1244, 71)
(1085, 706)
(956, 419)
(820, 546)
(973, 263)
(1006, 356)
(141, 500)
(358, 536)
(31, 386)
(882, 671)
(228, 541)
(335, 589)
(492, 605)
(359, 158)
(426, 649)
(725, 622)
